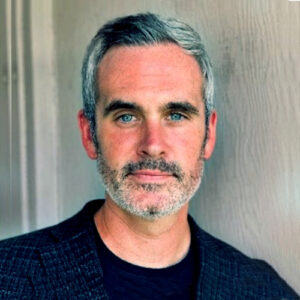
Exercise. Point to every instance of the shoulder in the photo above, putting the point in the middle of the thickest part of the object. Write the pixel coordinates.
(25, 247)
(18, 259)
(16, 252)
(22, 258)
(226, 269)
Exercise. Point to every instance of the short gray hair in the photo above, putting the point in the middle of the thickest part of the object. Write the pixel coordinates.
(139, 30)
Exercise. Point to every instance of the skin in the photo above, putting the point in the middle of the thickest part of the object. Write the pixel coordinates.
(149, 127)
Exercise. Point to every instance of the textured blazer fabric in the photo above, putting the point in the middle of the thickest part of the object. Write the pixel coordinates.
(61, 262)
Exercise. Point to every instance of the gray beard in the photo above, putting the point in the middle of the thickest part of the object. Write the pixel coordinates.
(170, 197)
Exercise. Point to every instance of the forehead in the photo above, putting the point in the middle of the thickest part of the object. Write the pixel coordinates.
(157, 69)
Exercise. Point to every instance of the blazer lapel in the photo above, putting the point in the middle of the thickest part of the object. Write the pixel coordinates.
(71, 264)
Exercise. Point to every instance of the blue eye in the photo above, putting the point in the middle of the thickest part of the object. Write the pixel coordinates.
(126, 118)
(176, 117)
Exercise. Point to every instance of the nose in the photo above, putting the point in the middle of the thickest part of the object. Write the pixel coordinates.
(152, 141)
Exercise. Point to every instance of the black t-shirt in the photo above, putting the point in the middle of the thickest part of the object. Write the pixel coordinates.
(123, 280)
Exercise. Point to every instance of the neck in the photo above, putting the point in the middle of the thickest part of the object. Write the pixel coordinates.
(148, 243)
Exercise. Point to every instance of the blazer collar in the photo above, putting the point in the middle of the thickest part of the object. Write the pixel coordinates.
(71, 262)
(201, 257)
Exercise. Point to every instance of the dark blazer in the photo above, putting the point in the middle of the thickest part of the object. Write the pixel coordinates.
(61, 262)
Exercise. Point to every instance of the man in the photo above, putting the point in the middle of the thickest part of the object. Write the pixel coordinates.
(148, 120)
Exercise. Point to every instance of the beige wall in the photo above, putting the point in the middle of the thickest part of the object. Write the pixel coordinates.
(250, 196)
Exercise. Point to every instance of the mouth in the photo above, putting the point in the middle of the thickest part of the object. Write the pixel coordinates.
(150, 176)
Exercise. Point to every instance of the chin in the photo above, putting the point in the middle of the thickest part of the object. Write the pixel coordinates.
(150, 205)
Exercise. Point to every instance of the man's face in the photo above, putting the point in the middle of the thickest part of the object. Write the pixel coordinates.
(150, 128)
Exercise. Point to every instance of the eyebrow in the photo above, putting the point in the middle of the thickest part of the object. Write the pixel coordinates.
(182, 106)
(120, 104)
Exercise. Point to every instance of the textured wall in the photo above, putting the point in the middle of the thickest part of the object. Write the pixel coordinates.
(250, 196)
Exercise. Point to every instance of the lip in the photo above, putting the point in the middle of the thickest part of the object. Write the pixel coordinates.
(151, 175)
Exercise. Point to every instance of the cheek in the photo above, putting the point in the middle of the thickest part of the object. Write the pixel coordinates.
(187, 149)
(187, 146)
(116, 147)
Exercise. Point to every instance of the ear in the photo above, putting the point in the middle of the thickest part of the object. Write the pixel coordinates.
(211, 135)
(86, 137)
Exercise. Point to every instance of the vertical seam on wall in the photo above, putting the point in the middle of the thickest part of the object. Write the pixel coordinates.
(9, 82)
(22, 115)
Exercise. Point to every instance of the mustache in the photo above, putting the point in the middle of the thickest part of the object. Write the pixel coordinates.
(153, 164)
